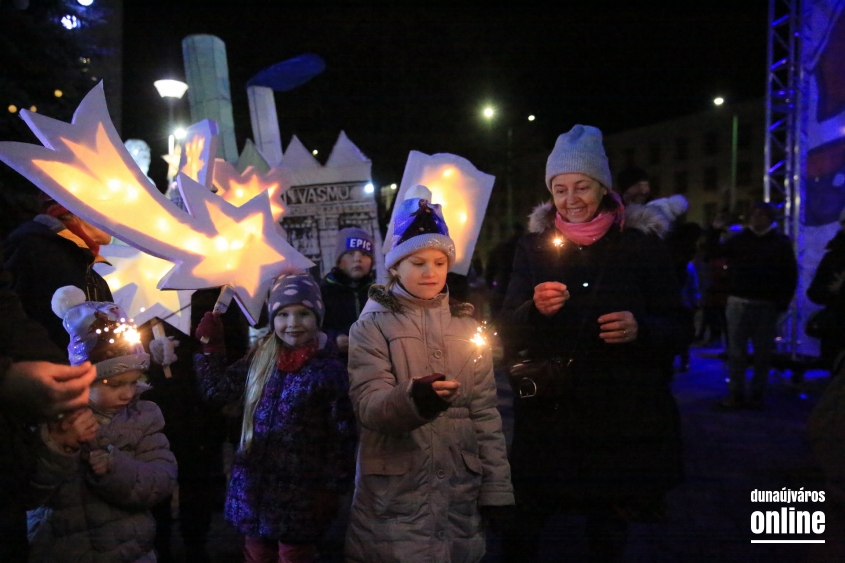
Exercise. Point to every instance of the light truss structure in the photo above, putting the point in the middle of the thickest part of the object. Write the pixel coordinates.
(784, 137)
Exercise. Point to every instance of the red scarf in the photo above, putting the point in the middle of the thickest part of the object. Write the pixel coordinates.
(585, 234)
(292, 359)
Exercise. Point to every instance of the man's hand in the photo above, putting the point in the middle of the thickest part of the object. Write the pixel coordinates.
(45, 389)
(549, 297)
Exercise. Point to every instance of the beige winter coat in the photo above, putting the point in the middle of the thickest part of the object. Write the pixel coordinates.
(420, 481)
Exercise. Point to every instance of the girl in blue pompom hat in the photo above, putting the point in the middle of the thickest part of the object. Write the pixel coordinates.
(431, 459)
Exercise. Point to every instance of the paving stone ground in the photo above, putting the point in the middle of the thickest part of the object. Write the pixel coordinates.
(727, 455)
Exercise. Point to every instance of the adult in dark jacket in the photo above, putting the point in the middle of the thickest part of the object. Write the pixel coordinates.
(826, 289)
(53, 250)
(345, 288)
(33, 387)
(591, 288)
(762, 276)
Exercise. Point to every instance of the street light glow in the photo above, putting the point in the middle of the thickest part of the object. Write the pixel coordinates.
(392, 186)
(180, 133)
(170, 88)
(315, 152)
(57, 93)
(531, 118)
(718, 101)
(70, 22)
(369, 188)
(489, 112)
(84, 2)
(13, 108)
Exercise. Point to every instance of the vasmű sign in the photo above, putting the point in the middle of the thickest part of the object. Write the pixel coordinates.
(86, 168)
(460, 188)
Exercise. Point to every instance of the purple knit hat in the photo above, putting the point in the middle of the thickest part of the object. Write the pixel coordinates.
(296, 288)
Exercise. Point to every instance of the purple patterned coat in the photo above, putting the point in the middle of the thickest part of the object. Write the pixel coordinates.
(303, 447)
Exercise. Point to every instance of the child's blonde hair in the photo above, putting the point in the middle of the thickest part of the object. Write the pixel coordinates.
(260, 370)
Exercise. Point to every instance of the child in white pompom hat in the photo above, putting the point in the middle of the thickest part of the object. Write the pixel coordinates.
(102, 468)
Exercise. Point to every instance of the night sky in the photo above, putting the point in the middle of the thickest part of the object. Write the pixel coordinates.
(415, 78)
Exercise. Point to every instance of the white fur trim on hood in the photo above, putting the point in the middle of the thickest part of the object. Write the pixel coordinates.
(650, 219)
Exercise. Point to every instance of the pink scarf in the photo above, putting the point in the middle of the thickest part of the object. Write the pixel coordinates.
(585, 234)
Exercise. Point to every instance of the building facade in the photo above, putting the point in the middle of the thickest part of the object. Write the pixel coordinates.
(694, 156)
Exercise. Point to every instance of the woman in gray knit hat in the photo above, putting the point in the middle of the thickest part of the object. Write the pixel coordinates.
(594, 287)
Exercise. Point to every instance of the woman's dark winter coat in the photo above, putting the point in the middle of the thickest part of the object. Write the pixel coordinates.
(611, 434)
(302, 451)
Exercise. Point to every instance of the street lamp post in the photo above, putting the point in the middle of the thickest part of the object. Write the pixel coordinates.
(734, 140)
(489, 113)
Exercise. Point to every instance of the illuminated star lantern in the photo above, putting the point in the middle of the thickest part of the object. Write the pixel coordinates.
(460, 188)
(85, 167)
(238, 188)
(198, 151)
(133, 277)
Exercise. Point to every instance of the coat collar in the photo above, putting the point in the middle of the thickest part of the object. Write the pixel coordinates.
(646, 218)
(383, 301)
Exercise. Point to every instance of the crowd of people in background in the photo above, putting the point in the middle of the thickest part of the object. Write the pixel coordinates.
(368, 408)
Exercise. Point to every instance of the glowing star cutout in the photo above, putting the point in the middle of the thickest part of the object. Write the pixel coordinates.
(193, 157)
(86, 168)
(133, 277)
(198, 151)
(460, 188)
(238, 188)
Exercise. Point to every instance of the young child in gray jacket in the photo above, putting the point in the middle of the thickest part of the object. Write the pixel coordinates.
(100, 469)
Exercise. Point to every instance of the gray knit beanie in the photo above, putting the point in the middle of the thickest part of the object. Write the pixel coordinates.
(580, 150)
(351, 239)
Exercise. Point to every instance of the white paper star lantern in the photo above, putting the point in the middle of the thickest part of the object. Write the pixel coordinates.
(460, 188)
(86, 168)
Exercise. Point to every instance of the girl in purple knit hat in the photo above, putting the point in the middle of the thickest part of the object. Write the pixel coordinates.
(296, 456)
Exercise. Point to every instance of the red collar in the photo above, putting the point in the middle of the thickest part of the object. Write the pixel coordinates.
(292, 359)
